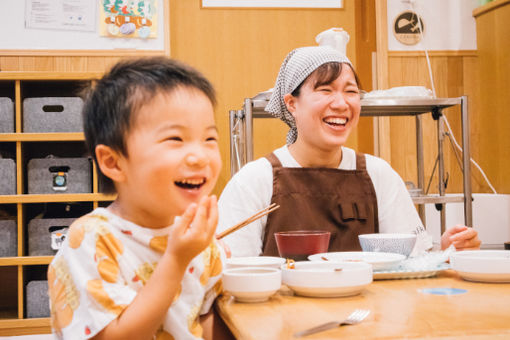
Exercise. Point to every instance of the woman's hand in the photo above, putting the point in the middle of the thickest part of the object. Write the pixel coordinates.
(462, 237)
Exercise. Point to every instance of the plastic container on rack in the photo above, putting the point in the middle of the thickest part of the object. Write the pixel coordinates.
(54, 175)
(8, 177)
(8, 238)
(38, 305)
(6, 115)
(46, 235)
(52, 114)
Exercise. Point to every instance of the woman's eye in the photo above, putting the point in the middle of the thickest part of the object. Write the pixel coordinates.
(324, 89)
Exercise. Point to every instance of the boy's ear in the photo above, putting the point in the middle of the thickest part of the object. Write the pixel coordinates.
(290, 102)
(108, 161)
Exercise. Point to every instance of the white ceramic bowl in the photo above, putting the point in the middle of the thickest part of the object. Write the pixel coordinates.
(388, 243)
(482, 265)
(255, 261)
(322, 279)
(252, 284)
(378, 260)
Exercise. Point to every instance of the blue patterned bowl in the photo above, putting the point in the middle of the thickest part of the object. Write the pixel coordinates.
(388, 243)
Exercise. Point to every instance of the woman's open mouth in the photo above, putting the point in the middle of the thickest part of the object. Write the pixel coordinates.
(335, 121)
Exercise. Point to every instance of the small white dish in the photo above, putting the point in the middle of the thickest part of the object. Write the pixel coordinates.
(399, 243)
(482, 265)
(255, 261)
(378, 260)
(405, 273)
(252, 284)
(324, 279)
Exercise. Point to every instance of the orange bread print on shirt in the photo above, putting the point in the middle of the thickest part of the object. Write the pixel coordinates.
(96, 290)
(163, 335)
(64, 297)
(77, 230)
(194, 325)
(212, 263)
(158, 243)
(108, 249)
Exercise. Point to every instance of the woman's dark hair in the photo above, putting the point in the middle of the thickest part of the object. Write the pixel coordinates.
(111, 105)
(325, 74)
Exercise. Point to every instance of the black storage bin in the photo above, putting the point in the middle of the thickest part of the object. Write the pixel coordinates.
(38, 302)
(53, 175)
(52, 114)
(6, 115)
(8, 238)
(45, 235)
(8, 176)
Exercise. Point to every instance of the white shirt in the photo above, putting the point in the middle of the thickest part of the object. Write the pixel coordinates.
(251, 190)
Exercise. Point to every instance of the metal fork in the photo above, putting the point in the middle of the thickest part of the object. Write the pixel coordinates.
(356, 317)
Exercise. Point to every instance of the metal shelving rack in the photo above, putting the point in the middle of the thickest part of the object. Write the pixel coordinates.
(241, 141)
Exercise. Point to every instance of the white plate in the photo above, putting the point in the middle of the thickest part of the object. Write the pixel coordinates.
(482, 265)
(403, 273)
(328, 292)
(324, 279)
(255, 261)
(378, 260)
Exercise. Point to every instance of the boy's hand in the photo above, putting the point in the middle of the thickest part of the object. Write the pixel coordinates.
(462, 237)
(194, 231)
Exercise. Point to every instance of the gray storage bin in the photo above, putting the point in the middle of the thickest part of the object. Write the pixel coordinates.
(7, 177)
(45, 235)
(38, 301)
(8, 238)
(52, 114)
(6, 115)
(59, 175)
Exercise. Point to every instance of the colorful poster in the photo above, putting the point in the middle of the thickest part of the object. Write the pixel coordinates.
(128, 18)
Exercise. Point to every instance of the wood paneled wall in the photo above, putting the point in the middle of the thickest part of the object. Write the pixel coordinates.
(493, 122)
(455, 74)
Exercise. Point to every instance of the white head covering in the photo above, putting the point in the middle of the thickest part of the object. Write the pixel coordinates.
(296, 67)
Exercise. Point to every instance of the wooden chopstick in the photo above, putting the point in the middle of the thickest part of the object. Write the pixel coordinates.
(249, 220)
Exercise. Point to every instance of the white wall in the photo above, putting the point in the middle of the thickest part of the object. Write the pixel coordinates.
(449, 24)
(491, 218)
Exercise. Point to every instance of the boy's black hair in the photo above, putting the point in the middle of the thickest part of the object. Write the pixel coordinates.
(111, 105)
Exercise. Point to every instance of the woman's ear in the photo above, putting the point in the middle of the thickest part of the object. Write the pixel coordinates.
(109, 161)
(290, 102)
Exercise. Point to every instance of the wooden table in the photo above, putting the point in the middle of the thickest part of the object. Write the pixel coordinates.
(398, 310)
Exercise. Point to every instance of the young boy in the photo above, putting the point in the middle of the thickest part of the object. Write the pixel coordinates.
(147, 266)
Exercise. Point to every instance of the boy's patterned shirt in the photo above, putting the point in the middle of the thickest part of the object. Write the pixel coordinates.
(106, 260)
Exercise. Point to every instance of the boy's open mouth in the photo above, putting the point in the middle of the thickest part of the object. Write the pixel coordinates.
(190, 183)
(336, 121)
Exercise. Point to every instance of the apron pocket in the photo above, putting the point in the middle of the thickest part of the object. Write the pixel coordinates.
(361, 209)
(347, 211)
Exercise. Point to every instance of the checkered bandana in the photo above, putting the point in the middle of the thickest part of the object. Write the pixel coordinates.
(296, 67)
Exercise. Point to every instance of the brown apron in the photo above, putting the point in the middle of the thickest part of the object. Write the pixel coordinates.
(340, 201)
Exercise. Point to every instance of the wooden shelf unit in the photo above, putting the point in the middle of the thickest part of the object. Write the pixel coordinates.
(17, 86)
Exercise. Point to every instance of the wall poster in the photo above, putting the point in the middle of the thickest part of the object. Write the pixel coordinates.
(128, 18)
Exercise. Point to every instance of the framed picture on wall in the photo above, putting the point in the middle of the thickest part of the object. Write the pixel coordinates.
(274, 3)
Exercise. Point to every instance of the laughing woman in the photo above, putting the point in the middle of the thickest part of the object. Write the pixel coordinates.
(318, 182)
